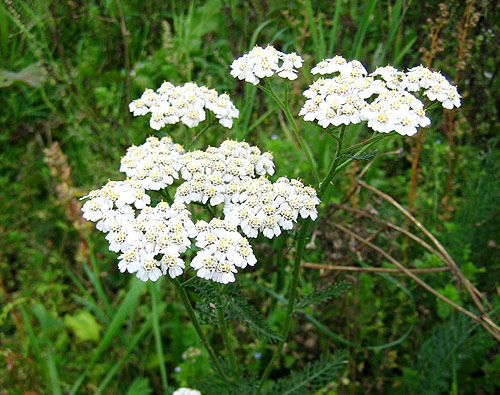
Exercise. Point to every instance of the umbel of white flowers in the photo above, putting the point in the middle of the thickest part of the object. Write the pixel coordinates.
(384, 98)
(151, 240)
(172, 104)
(353, 96)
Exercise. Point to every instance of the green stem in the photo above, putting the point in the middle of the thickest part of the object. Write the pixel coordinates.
(208, 126)
(225, 336)
(157, 334)
(296, 267)
(199, 331)
(376, 137)
(362, 150)
(188, 281)
(305, 149)
(331, 171)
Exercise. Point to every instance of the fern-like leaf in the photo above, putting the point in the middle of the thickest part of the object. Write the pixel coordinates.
(450, 346)
(314, 376)
(239, 308)
(325, 294)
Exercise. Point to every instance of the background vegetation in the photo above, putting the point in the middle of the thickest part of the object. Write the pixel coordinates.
(68, 70)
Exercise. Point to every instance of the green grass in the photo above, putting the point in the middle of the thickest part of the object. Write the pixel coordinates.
(53, 267)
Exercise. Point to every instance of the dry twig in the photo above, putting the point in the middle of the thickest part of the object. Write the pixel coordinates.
(474, 293)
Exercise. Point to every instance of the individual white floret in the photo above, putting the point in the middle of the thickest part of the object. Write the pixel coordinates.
(193, 117)
(138, 107)
(171, 262)
(130, 260)
(157, 120)
(149, 268)
(287, 71)
(96, 208)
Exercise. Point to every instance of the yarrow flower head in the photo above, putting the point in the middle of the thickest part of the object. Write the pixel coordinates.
(154, 164)
(382, 98)
(260, 206)
(433, 84)
(211, 174)
(151, 240)
(172, 104)
(265, 62)
(223, 249)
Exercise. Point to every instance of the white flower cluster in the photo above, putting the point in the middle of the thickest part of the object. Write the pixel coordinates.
(265, 62)
(171, 104)
(434, 84)
(222, 250)
(154, 164)
(397, 111)
(338, 100)
(211, 173)
(260, 206)
(119, 195)
(186, 391)
(150, 240)
(343, 99)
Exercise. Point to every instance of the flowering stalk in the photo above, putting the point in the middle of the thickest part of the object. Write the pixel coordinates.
(197, 327)
(301, 241)
(368, 145)
(225, 337)
(375, 138)
(202, 132)
(305, 149)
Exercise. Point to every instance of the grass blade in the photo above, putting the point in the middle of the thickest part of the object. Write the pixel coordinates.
(153, 288)
(335, 27)
(363, 27)
(314, 33)
(119, 317)
(131, 346)
(95, 278)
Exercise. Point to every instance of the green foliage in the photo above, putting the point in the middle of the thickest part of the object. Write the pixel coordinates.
(140, 386)
(451, 346)
(323, 295)
(70, 323)
(443, 309)
(368, 156)
(240, 309)
(232, 299)
(84, 325)
(314, 375)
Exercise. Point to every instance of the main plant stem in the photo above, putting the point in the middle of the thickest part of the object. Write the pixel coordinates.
(199, 331)
(305, 149)
(225, 336)
(301, 240)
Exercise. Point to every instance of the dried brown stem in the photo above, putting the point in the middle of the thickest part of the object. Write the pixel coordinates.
(370, 269)
(449, 260)
(487, 324)
(471, 290)
(417, 239)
